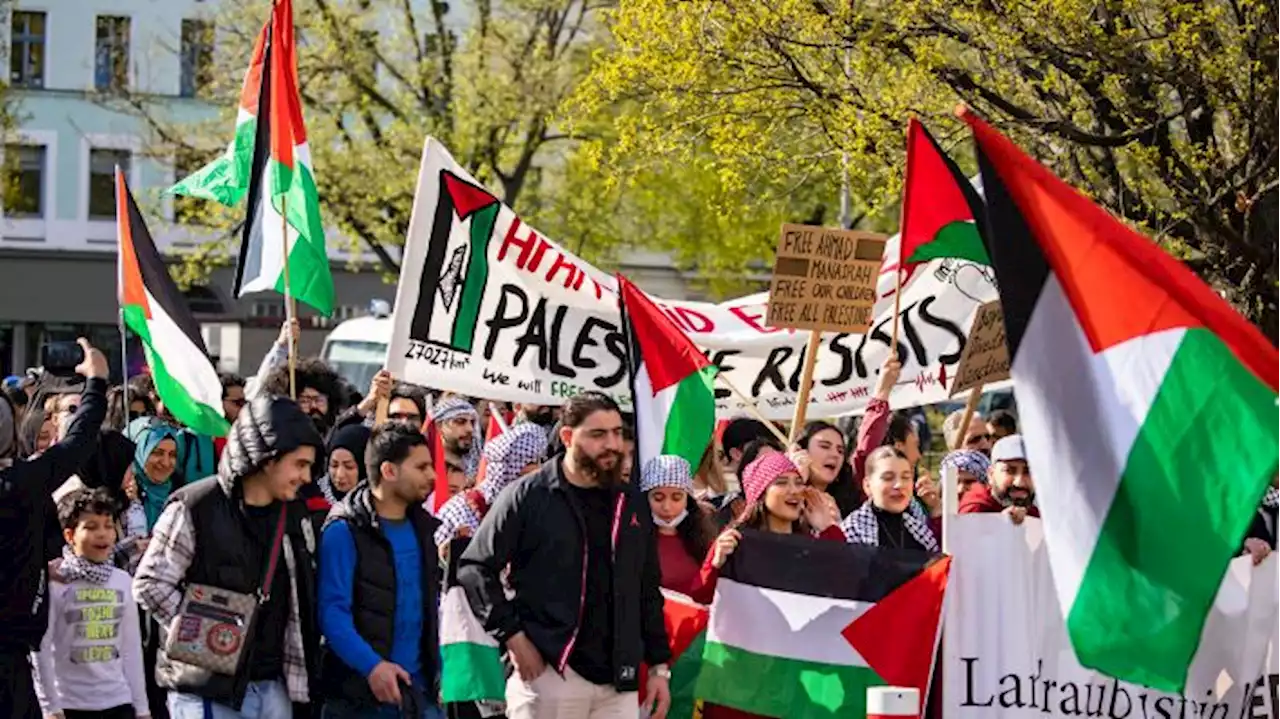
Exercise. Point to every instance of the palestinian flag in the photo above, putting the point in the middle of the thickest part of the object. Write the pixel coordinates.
(675, 405)
(440, 493)
(800, 627)
(939, 206)
(226, 179)
(281, 183)
(471, 669)
(1127, 368)
(158, 314)
(686, 625)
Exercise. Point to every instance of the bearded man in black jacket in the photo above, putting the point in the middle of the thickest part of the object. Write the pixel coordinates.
(586, 608)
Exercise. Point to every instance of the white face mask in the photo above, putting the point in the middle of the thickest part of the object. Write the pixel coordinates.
(675, 522)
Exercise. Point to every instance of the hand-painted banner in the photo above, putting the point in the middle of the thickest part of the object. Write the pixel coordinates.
(1007, 654)
(489, 307)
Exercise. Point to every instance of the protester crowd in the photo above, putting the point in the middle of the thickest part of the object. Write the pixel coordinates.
(313, 521)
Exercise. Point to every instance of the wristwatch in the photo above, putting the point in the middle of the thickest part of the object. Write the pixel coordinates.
(662, 671)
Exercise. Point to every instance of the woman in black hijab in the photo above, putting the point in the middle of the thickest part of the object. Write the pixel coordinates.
(346, 468)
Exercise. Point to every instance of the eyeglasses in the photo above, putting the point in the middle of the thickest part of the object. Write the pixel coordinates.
(976, 438)
(313, 400)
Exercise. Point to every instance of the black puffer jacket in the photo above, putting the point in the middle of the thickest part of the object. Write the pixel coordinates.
(225, 554)
(267, 427)
(373, 598)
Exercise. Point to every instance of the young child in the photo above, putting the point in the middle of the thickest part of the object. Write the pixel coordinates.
(90, 662)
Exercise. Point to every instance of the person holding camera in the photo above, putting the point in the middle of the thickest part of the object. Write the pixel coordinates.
(25, 489)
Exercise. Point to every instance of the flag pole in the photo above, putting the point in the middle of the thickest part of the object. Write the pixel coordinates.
(290, 312)
(970, 406)
(124, 364)
(752, 408)
(902, 218)
(950, 480)
(806, 385)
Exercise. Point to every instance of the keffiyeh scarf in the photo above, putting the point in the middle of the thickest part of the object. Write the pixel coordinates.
(666, 470)
(967, 460)
(861, 527)
(326, 488)
(506, 456)
(75, 568)
(456, 407)
(1271, 499)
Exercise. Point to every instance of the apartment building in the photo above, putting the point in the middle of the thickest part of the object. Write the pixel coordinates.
(57, 227)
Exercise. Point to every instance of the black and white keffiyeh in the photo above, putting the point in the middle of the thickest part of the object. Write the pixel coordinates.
(76, 568)
(326, 488)
(506, 457)
(452, 408)
(861, 527)
(1271, 499)
(666, 470)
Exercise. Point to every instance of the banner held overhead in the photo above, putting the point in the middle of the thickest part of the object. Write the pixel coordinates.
(490, 307)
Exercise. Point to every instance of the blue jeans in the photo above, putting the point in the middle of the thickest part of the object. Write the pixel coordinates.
(342, 709)
(263, 700)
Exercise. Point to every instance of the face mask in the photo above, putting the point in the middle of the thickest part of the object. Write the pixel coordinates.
(673, 523)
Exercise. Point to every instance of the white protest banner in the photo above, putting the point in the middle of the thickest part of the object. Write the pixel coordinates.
(489, 307)
(1007, 654)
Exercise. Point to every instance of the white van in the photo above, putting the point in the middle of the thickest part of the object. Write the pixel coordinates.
(357, 349)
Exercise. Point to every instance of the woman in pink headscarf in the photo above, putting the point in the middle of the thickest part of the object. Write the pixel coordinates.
(778, 500)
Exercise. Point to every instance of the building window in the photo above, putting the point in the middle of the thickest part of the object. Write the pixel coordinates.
(111, 53)
(26, 50)
(203, 301)
(267, 310)
(197, 57)
(102, 181)
(24, 196)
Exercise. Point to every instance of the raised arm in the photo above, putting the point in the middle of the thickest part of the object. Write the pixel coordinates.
(57, 463)
(875, 423)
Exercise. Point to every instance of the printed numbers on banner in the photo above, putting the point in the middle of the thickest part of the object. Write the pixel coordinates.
(437, 356)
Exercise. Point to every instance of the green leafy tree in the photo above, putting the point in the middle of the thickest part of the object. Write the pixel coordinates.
(1165, 111)
(376, 78)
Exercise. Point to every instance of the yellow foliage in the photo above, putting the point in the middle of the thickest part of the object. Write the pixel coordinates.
(1163, 110)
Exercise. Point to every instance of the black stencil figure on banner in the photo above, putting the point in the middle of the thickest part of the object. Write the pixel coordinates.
(465, 286)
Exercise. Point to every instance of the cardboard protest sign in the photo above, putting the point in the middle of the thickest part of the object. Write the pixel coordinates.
(986, 356)
(824, 279)
(489, 307)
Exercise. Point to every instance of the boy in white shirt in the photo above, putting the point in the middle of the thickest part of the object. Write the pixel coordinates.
(90, 663)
